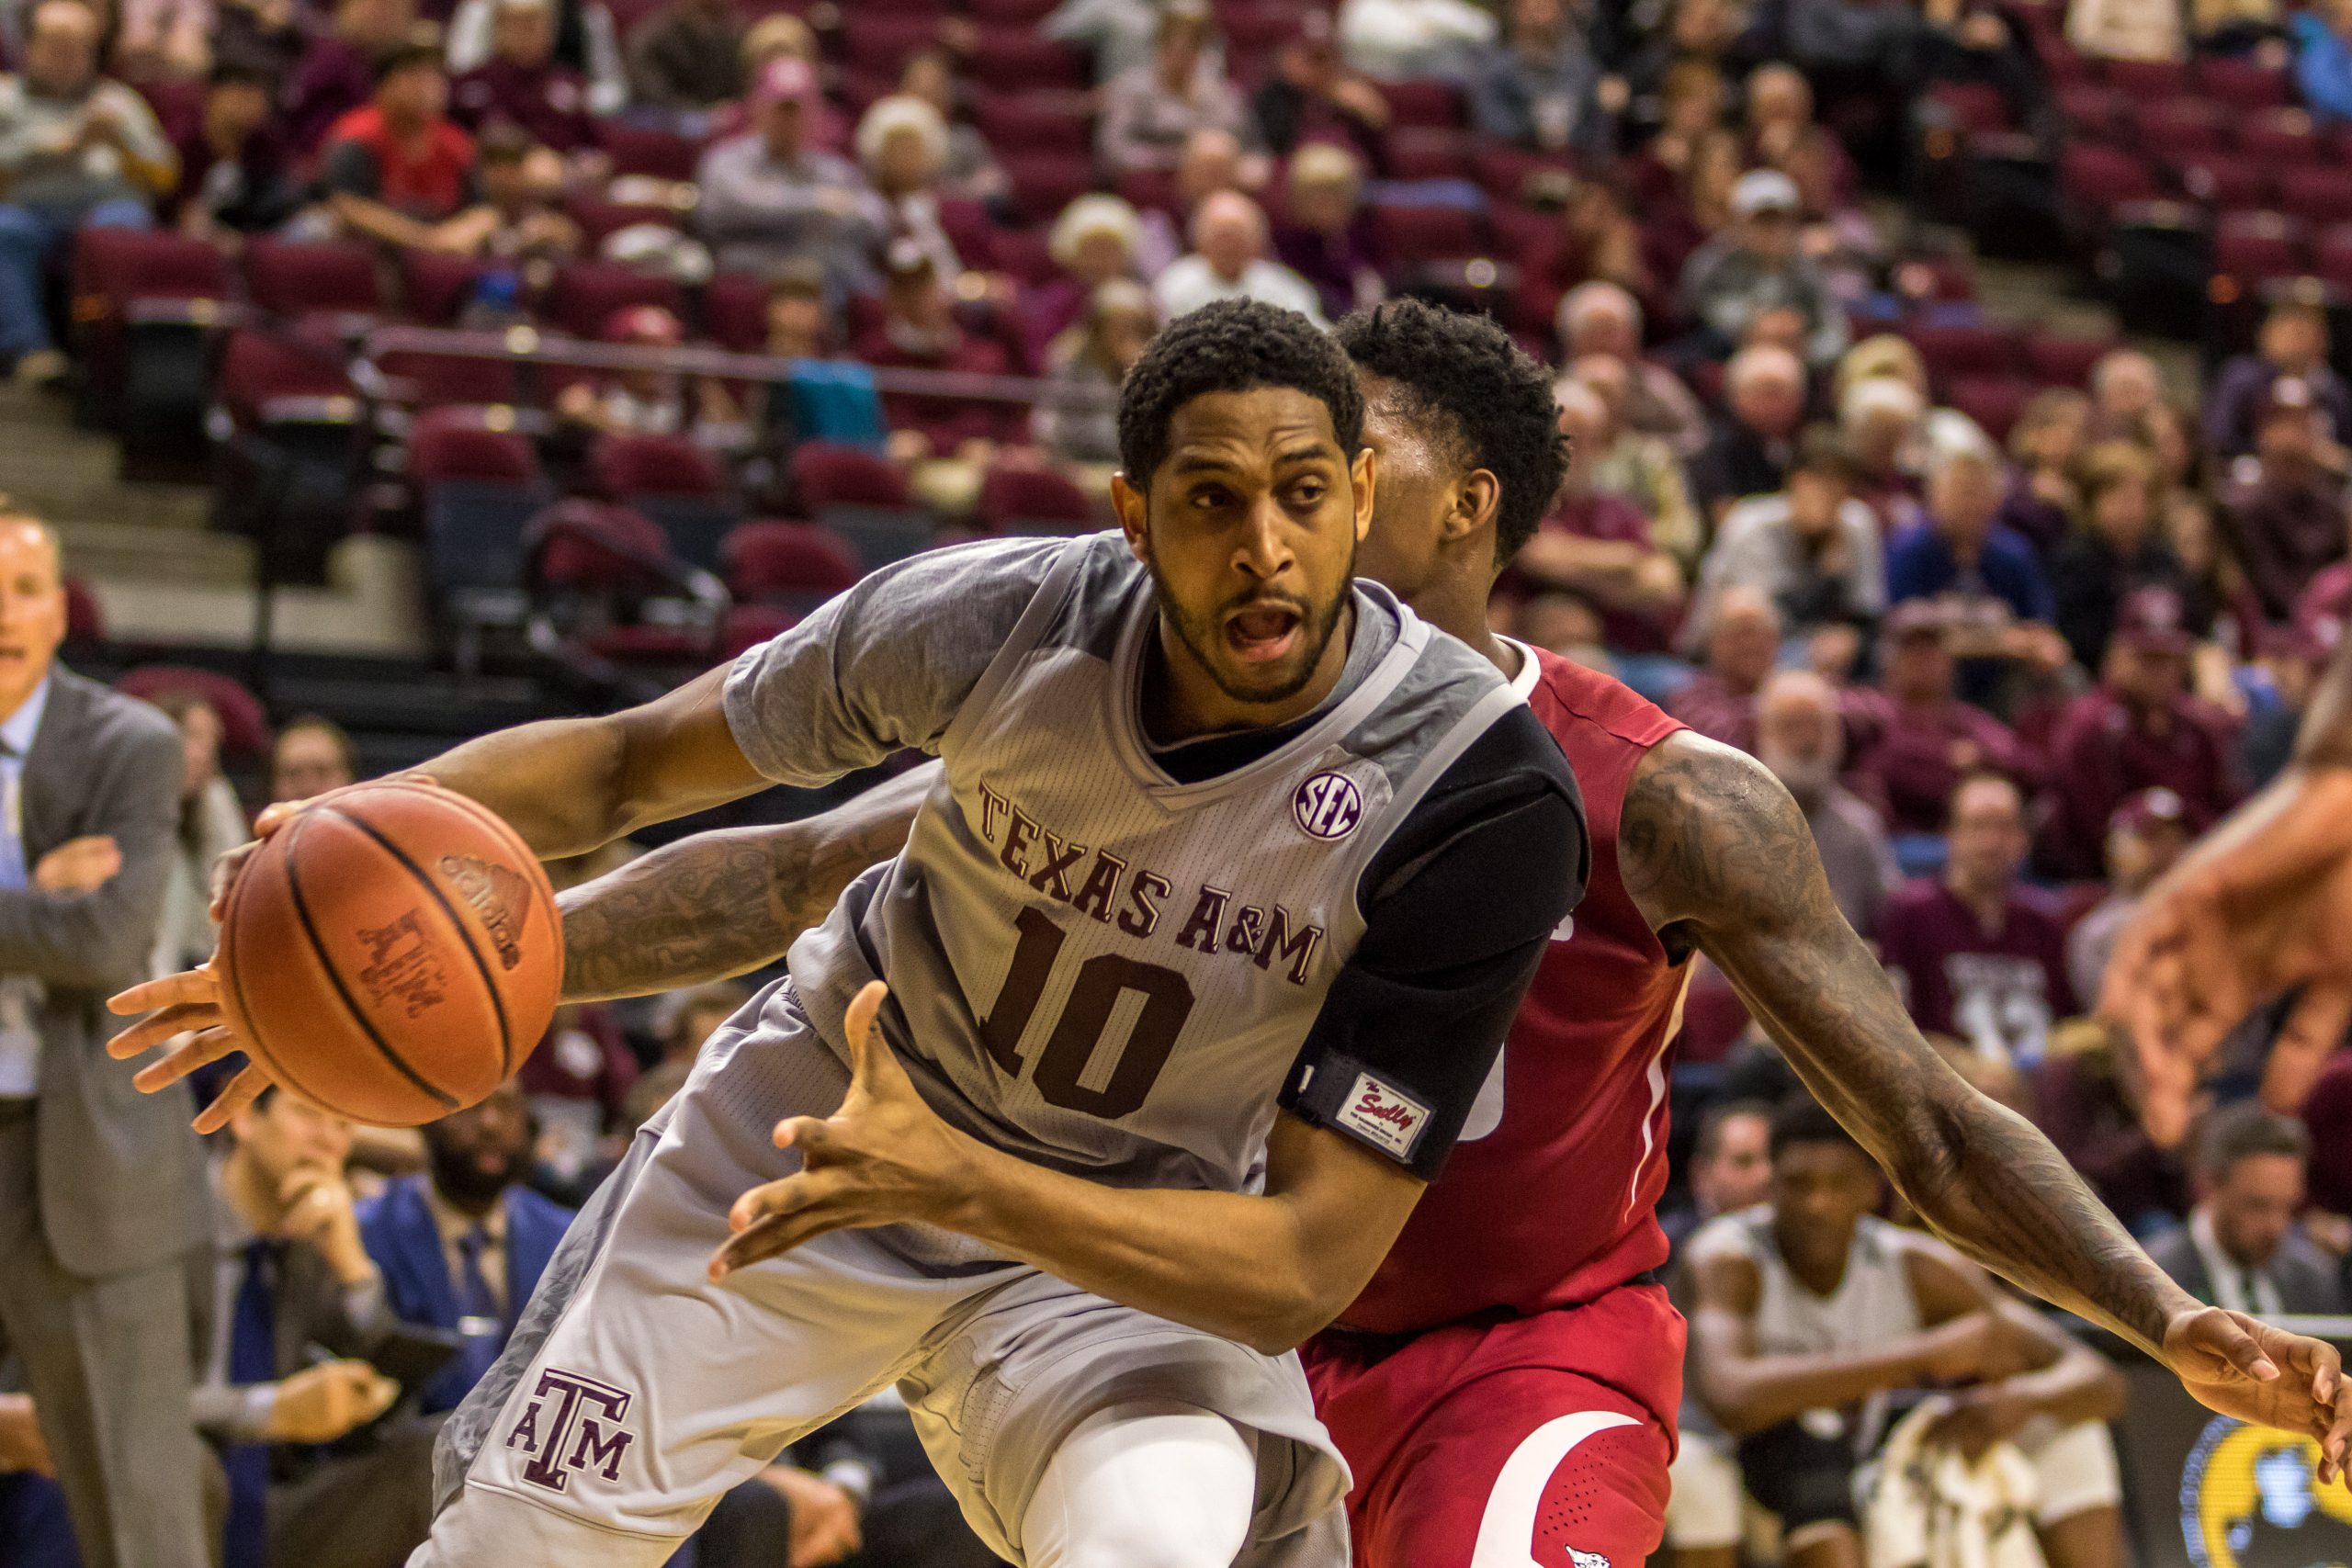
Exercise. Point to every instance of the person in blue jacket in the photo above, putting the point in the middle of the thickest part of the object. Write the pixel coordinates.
(2324, 60)
(462, 1247)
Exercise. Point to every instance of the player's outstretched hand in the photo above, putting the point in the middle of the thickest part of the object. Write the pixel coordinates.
(2262, 904)
(2244, 1367)
(885, 1157)
(184, 1012)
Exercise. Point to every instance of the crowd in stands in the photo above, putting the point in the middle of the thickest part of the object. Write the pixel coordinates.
(2013, 617)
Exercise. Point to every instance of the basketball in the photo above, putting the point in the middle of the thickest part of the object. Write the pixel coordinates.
(392, 954)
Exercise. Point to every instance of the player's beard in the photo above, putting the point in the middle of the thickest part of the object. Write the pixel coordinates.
(1203, 637)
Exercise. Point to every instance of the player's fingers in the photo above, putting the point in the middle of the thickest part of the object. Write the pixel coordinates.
(869, 1055)
(199, 985)
(788, 1196)
(154, 1030)
(808, 1134)
(773, 1238)
(204, 1047)
(2336, 1444)
(243, 1090)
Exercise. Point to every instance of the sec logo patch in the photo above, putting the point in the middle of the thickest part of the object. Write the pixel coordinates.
(1328, 806)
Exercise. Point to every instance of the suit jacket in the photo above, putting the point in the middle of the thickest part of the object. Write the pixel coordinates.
(2307, 1282)
(398, 1229)
(121, 1181)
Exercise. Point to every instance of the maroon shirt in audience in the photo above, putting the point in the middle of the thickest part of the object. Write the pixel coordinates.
(2000, 989)
(2103, 752)
(1921, 751)
(1708, 704)
(2326, 604)
(334, 78)
(1612, 517)
(2080, 1107)
(2283, 535)
(548, 101)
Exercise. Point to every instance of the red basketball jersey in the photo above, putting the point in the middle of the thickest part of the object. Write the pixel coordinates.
(1554, 1202)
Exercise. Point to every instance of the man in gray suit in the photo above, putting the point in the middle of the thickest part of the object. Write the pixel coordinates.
(101, 1188)
(2241, 1248)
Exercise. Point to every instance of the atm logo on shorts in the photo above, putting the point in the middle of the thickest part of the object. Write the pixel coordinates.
(573, 1424)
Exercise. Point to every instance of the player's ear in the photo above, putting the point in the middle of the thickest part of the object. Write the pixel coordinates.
(1475, 501)
(1127, 501)
(1363, 478)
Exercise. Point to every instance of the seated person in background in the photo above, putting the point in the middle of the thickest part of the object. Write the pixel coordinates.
(2243, 1248)
(1605, 318)
(1407, 39)
(1956, 552)
(645, 402)
(1599, 546)
(2284, 506)
(1147, 113)
(1719, 702)
(2293, 344)
(311, 756)
(1312, 98)
(2045, 445)
(1093, 243)
(1801, 736)
(462, 1247)
(687, 56)
(1212, 161)
(1755, 267)
(292, 1272)
(2126, 387)
(902, 144)
(1077, 420)
(522, 85)
(398, 169)
(586, 44)
(1753, 443)
(1731, 1169)
(1927, 739)
(1228, 261)
(1543, 86)
(235, 178)
(919, 331)
(2323, 37)
(1811, 1318)
(970, 172)
(2127, 29)
(1640, 469)
(772, 195)
(337, 72)
(2139, 728)
(1976, 953)
(2146, 834)
(2116, 549)
(519, 220)
(1326, 237)
(1813, 548)
(1884, 419)
(799, 325)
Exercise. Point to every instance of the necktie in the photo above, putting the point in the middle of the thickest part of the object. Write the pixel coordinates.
(478, 1316)
(252, 1359)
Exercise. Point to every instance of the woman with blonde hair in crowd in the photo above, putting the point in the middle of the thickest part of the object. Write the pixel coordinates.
(1095, 241)
(970, 173)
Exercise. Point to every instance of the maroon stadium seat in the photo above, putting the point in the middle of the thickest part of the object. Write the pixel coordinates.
(2092, 108)
(1964, 349)
(2146, 81)
(460, 444)
(1017, 500)
(827, 473)
(585, 294)
(1417, 233)
(589, 544)
(1972, 107)
(1017, 55)
(2332, 255)
(655, 464)
(598, 218)
(245, 725)
(748, 626)
(1423, 153)
(2173, 129)
(114, 266)
(2241, 83)
(2281, 138)
(2225, 180)
(735, 312)
(2321, 194)
(261, 371)
(641, 150)
(1045, 183)
(2097, 180)
(1012, 12)
(1149, 190)
(1033, 122)
(1503, 170)
(292, 279)
(797, 565)
(2255, 247)
(880, 38)
(434, 380)
(84, 622)
(1993, 402)
(434, 288)
(1427, 102)
(2065, 361)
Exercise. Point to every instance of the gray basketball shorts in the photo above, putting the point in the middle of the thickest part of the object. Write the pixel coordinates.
(635, 1393)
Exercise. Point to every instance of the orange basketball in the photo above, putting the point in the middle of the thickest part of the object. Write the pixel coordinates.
(392, 954)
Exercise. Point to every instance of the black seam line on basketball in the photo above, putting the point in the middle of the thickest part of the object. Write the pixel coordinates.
(237, 983)
(457, 924)
(334, 978)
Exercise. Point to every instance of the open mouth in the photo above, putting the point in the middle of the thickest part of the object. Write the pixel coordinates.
(1262, 631)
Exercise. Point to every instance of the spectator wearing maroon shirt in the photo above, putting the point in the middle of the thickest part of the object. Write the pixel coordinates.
(919, 331)
(337, 72)
(1929, 740)
(1095, 241)
(2138, 729)
(1978, 955)
(397, 169)
(1325, 235)
(2285, 507)
(2147, 833)
(522, 85)
(2118, 549)
(1719, 702)
(1599, 546)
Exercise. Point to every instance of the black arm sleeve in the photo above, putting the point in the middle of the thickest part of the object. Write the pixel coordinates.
(1459, 906)
(349, 169)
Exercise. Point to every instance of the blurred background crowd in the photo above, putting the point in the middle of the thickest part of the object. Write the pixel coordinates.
(636, 328)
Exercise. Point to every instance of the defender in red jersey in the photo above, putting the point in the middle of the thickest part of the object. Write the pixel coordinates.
(1504, 1385)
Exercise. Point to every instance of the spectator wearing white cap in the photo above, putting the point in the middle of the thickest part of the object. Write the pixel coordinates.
(769, 196)
(1755, 269)
(1228, 261)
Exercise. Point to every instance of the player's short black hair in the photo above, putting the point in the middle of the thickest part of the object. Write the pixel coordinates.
(1491, 397)
(1233, 345)
(1800, 1120)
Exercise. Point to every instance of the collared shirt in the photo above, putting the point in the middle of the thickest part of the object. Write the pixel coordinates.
(2235, 1286)
(222, 1410)
(454, 1225)
(20, 995)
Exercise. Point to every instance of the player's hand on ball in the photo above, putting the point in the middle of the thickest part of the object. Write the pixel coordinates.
(184, 1012)
(885, 1157)
(2244, 1367)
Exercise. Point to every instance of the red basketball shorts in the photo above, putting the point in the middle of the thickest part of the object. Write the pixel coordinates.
(1540, 1440)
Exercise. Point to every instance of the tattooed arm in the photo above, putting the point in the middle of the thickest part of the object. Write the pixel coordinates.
(1719, 856)
(720, 903)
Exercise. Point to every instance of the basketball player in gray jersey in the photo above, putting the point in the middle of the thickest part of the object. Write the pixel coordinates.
(1211, 926)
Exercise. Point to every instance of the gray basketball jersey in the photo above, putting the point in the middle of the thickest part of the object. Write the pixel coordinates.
(1092, 964)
